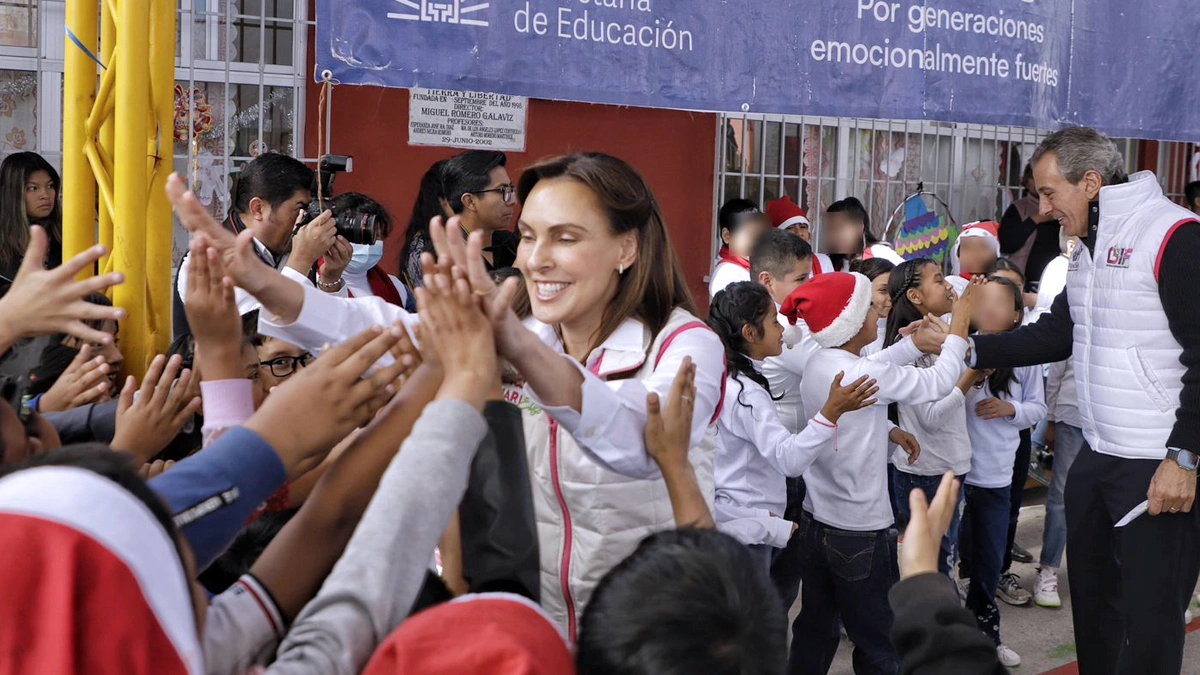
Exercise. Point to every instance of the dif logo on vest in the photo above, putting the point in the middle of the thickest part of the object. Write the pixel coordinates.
(1118, 257)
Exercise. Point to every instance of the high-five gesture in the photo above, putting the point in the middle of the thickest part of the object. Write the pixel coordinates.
(84, 381)
(668, 440)
(213, 314)
(44, 302)
(319, 406)
(455, 328)
(467, 258)
(148, 421)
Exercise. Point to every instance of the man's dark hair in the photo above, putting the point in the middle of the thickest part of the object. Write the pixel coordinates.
(468, 172)
(354, 202)
(1191, 192)
(777, 252)
(686, 601)
(271, 177)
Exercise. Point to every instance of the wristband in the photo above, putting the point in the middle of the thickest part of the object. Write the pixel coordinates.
(334, 287)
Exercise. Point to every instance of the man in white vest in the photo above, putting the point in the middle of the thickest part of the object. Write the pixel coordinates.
(1128, 320)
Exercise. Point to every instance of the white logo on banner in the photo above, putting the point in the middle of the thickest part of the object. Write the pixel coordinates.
(441, 11)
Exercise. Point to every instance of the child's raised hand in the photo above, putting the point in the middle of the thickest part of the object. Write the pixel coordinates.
(669, 434)
(927, 525)
(854, 396)
(960, 322)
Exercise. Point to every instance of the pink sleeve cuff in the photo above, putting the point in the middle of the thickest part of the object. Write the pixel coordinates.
(227, 403)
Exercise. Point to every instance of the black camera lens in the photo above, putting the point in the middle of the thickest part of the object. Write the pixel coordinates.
(357, 228)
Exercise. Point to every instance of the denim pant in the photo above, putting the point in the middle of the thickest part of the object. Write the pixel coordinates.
(1017, 494)
(846, 574)
(905, 483)
(1067, 442)
(987, 510)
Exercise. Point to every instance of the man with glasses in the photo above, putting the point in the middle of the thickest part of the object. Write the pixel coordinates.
(479, 191)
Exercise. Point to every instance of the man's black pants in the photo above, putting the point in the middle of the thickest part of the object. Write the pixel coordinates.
(1130, 586)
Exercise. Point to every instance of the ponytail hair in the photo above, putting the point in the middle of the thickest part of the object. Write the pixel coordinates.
(736, 306)
(905, 277)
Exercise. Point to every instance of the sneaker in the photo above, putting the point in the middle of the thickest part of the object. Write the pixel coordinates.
(1010, 590)
(1046, 593)
(1008, 658)
(1021, 555)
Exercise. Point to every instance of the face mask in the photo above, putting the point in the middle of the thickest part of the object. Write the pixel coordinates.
(365, 257)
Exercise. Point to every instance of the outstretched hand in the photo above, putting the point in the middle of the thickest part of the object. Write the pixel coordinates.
(669, 434)
(149, 421)
(242, 263)
(45, 302)
(464, 259)
(927, 524)
(455, 328)
(348, 394)
(84, 381)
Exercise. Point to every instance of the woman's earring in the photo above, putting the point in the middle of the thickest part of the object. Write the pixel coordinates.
(620, 269)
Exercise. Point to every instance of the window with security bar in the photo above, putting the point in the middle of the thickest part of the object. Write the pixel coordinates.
(962, 172)
(240, 78)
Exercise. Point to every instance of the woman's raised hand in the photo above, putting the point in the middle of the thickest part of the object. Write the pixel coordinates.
(457, 259)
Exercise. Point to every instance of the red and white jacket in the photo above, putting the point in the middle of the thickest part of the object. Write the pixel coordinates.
(596, 492)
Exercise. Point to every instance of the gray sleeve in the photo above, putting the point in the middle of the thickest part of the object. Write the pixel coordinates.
(374, 584)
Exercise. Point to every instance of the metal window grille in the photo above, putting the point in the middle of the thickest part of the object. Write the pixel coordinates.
(976, 169)
(240, 73)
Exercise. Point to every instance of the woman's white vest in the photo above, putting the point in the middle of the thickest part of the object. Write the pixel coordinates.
(1126, 360)
(588, 518)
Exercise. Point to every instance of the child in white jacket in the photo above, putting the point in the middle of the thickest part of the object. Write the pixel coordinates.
(755, 452)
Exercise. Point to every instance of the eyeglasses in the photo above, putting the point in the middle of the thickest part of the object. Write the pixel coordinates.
(283, 366)
(506, 191)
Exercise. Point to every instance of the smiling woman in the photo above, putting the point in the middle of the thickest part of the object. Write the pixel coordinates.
(29, 190)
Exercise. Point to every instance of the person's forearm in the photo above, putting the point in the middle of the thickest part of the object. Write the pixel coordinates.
(374, 584)
(296, 563)
(217, 361)
(281, 297)
(687, 500)
(548, 373)
(1047, 340)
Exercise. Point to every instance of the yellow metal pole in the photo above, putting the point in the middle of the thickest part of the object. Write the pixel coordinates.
(79, 92)
(132, 91)
(108, 45)
(160, 227)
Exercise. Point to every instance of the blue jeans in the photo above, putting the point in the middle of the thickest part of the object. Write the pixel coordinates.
(905, 483)
(988, 513)
(846, 574)
(1067, 442)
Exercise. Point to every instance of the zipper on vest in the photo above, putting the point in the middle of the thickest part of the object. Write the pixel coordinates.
(564, 570)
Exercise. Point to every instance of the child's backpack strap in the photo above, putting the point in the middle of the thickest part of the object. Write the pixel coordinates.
(671, 338)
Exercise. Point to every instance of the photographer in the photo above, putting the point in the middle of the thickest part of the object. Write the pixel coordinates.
(272, 192)
(361, 277)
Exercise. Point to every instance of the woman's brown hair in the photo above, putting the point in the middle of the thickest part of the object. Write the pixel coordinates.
(654, 286)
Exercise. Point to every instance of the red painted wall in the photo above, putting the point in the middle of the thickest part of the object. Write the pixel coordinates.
(673, 150)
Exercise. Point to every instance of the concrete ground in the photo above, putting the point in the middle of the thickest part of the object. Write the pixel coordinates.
(1043, 637)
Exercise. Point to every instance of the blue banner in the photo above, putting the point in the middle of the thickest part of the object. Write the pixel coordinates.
(1023, 62)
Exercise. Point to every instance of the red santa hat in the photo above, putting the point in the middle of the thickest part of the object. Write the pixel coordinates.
(988, 229)
(784, 213)
(496, 633)
(833, 305)
(92, 580)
